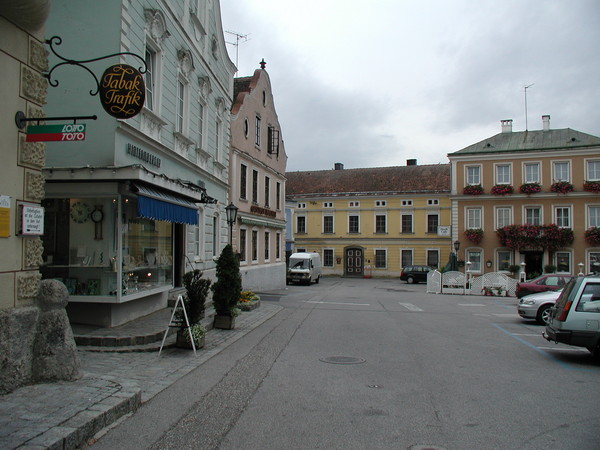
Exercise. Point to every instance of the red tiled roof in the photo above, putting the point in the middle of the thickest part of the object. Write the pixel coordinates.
(398, 179)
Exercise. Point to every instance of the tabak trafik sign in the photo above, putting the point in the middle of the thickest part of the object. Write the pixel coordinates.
(122, 91)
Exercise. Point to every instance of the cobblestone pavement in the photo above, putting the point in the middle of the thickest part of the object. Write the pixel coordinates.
(66, 414)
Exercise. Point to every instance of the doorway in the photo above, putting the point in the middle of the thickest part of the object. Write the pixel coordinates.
(354, 262)
(533, 263)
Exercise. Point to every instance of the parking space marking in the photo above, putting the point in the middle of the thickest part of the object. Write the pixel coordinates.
(337, 303)
(471, 304)
(410, 307)
(562, 349)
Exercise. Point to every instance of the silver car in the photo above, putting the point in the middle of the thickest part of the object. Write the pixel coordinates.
(537, 306)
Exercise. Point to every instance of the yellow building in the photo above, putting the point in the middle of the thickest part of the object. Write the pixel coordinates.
(540, 189)
(373, 221)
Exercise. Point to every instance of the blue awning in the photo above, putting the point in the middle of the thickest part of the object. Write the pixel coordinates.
(157, 204)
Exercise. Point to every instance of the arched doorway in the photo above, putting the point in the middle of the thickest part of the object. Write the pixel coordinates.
(354, 262)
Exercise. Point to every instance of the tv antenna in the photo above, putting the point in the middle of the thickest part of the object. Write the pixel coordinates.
(238, 37)
(525, 89)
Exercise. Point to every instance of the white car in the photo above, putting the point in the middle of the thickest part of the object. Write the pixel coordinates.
(537, 306)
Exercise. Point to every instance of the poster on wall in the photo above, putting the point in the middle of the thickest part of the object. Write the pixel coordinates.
(4, 216)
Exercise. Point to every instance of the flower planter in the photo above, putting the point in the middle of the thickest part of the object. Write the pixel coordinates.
(502, 189)
(224, 322)
(473, 189)
(530, 188)
(561, 187)
(183, 340)
(249, 306)
(592, 186)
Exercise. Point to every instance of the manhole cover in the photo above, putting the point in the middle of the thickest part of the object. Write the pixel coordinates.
(342, 360)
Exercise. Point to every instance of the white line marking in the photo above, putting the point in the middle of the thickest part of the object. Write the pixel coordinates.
(410, 306)
(523, 334)
(471, 304)
(564, 349)
(337, 303)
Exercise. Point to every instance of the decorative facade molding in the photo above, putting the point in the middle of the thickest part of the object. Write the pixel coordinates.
(38, 55)
(33, 250)
(28, 285)
(186, 62)
(205, 87)
(156, 25)
(34, 87)
(151, 124)
(34, 186)
(32, 154)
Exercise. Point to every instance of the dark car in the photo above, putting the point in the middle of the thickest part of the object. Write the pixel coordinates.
(547, 282)
(414, 274)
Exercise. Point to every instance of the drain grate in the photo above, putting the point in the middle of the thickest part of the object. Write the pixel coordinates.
(342, 360)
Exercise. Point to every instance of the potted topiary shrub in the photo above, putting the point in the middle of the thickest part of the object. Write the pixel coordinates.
(227, 289)
(198, 332)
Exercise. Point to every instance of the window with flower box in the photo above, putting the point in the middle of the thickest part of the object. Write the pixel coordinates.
(531, 172)
(474, 218)
(473, 175)
(561, 171)
(593, 216)
(593, 170)
(503, 174)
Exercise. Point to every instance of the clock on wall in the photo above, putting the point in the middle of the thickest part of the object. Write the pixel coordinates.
(80, 212)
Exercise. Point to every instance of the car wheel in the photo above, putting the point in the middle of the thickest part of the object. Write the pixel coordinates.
(543, 314)
(317, 280)
(410, 280)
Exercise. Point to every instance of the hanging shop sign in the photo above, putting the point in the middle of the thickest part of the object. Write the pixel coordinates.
(47, 133)
(122, 91)
(31, 219)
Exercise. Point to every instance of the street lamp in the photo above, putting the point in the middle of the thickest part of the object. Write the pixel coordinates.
(231, 210)
(580, 274)
(456, 246)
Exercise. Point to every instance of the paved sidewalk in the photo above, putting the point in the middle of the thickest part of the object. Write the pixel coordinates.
(67, 414)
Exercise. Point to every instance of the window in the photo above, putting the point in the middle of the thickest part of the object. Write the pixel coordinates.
(201, 122)
(562, 216)
(218, 140)
(591, 293)
(181, 107)
(406, 258)
(327, 224)
(473, 175)
(503, 174)
(267, 191)
(504, 259)
(254, 245)
(278, 195)
(300, 224)
(353, 224)
(243, 181)
(407, 223)
(301, 205)
(561, 171)
(257, 131)
(503, 216)
(532, 172)
(354, 204)
(273, 141)
(533, 215)
(473, 217)
(254, 186)
(242, 248)
(150, 78)
(433, 258)
(407, 202)
(593, 170)
(215, 236)
(277, 246)
(267, 244)
(593, 216)
(474, 257)
(380, 226)
(594, 262)
(563, 262)
(380, 258)
(328, 257)
(380, 203)
(327, 204)
(433, 201)
(432, 223)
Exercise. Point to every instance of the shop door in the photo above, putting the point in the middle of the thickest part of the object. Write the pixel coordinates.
(533, 263)
(354, 262)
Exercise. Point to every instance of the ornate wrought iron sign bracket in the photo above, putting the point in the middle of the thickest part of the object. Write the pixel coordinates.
(21, 120)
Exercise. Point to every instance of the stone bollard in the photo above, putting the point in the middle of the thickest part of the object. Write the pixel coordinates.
(54, 351)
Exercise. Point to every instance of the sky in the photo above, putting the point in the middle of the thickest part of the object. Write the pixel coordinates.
(374, 83)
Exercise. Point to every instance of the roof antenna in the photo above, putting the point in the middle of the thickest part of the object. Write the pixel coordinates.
(525, 89)
(236, 44)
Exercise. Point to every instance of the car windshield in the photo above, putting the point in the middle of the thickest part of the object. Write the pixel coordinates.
(562, 299)
(299, 263)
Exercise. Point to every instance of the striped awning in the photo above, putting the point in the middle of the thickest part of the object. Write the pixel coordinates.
(158, 204)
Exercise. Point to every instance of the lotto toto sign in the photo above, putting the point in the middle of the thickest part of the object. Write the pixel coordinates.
(122, 91)
(48, 133)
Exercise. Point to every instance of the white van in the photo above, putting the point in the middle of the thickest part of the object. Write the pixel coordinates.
(304, 268)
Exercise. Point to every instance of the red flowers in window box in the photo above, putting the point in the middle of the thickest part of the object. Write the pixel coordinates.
(592, 186)
(561, 187)
(530, 188)
(592, 236)
(475, 235)
(502, 189)
(473, 189)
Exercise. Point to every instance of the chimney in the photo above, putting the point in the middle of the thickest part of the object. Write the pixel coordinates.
(411, 162)
(338, 166)
(506, 125)
(546, 122)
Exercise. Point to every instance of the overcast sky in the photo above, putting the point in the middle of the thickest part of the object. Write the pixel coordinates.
(374, 83)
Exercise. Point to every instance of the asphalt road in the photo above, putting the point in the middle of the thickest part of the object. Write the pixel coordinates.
(379, 364)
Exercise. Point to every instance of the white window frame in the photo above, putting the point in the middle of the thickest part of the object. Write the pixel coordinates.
(412, 222)
(498, 222)
(267, 244)
(569, 256)
(150, 77)
(412, 256)
(429, 213)
(407, 202)
(254, 247)
(473, 220)
(472, 251)
(301, 205)
(385, 253)
(332, 223)
(325, 251)
(354, 204)
(257, 130)
(569, 217)
(182, 106)
(433, 201)
(202, 125)
(561, 176)
(527, 208)
(432, 250)
(384, 214)
(380, 203)
(473, 179)
(499, 252)
(358, 217)
(593, 216)
(327, 204)
(504, 178)
(592, 175)
(298, 217)
(243, 249)
(526, 178)
(591, 257)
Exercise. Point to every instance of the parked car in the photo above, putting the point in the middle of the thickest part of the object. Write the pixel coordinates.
(304, 268)
(575, 318)
(414, 274)
(537, 306)
(547, 282)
